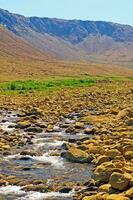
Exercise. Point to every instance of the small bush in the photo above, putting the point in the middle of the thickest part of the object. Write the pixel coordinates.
(13, 86)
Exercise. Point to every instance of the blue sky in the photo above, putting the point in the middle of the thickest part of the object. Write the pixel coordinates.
(120, 11)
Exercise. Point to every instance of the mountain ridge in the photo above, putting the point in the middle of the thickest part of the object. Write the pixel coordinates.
(74, 39)
(64, 28)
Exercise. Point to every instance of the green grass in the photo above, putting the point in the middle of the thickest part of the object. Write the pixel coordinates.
(49, 85)
(29, 85)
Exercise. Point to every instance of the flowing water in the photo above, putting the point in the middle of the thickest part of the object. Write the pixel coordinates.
(48, 166)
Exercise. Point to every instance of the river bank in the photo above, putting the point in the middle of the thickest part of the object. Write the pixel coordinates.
(80, 130)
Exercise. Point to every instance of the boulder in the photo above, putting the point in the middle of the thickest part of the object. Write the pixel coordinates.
(74, 154)
(102, 172)
(119, 181)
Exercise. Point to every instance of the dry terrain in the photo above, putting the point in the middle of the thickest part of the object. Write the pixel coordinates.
(19, 60)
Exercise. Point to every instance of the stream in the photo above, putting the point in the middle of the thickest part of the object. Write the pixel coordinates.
(48, 166)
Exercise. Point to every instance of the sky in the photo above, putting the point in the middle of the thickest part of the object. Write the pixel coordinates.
(120, 11)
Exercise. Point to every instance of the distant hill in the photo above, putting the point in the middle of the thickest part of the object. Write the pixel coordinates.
(96, 41)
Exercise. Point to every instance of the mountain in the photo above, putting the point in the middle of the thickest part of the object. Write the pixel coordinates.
(13, 46)
(73, 31)
(29, 53)
(96, 41)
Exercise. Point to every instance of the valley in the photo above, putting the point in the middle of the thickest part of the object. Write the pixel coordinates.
(66, 109)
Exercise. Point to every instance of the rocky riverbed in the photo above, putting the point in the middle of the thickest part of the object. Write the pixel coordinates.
(85, 152)
(32, 165)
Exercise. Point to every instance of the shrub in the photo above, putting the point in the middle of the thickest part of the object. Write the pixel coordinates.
(13, 86)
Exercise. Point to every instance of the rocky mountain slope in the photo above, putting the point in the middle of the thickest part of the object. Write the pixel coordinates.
(73, 31)
(16, 47)
(74, 39)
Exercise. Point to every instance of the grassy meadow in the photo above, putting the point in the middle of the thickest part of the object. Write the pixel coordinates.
(22, 86)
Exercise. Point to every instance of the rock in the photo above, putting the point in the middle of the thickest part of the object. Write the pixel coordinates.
(119, 181)
(65, 190)
(30, 153)
(106, 188)
(102, 159)
(129, 122)
(6, 153)
(13, 181)
(23, 124)
(90, 130)
(38, 182)
(65, 146)
(41, 124)
(3, 182)
(128, 169)
(104, 131)
(50, 128)
(113, 153)
(129, 193)
(92, 148)
(21, 114)
(128, 147)
(34, 129)
(25, 158)
(131, 182)
(127, 112)
(129, 155)
(117, 197)
(74, 154)
(102, 172)
(26, 168)
(90, 183)
(6, 147)
(72, 140)
(11, 126)
(84, 138)
(71, 129)
(34, 111)
(56, 129)
(99, 196)
(65, 125)
(79, 125)
(38, 188)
